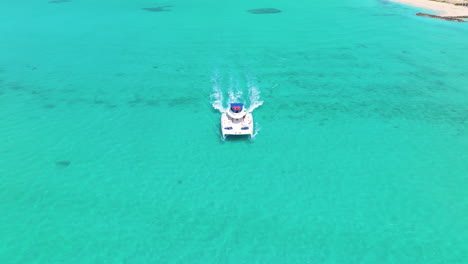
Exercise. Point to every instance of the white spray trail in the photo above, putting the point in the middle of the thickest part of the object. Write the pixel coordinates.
(217, 95)
(234, 92)
(254, 98)
(234, 96)
(256, 130)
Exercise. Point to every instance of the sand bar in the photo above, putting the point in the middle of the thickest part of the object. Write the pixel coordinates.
(443, 9)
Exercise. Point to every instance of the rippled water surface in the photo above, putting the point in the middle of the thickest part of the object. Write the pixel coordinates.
(110, 149)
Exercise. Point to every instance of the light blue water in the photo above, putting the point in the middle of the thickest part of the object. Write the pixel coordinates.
(110, 149)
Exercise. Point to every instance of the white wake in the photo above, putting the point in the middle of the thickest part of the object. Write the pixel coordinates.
(254, 98)
(232, 92)
(217, 94)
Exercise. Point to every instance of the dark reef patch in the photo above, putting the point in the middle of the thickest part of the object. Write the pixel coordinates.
(63, 163)
(157, 9)
(264, 11)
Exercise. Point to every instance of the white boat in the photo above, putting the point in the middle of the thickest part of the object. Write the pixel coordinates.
(236, 121)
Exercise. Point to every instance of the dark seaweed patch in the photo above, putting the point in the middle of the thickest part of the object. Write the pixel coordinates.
(63, 163)
(264, 11)
(49, 106)
(157, 9)
(99, 102)
(182, 101)
(134, 102)
(152, 102)
(16, 87)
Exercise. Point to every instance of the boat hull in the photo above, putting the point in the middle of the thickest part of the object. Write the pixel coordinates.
(237, 126)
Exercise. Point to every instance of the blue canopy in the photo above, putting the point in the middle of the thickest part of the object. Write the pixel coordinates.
(237, 107)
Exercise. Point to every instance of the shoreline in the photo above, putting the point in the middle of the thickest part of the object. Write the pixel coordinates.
(443, 9)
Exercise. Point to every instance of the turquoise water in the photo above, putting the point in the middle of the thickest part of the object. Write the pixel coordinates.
(110, 149)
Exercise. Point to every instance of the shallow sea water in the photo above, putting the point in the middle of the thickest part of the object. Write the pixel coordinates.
(110, 149)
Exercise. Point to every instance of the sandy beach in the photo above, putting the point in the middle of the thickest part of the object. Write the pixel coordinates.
(443, 9)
